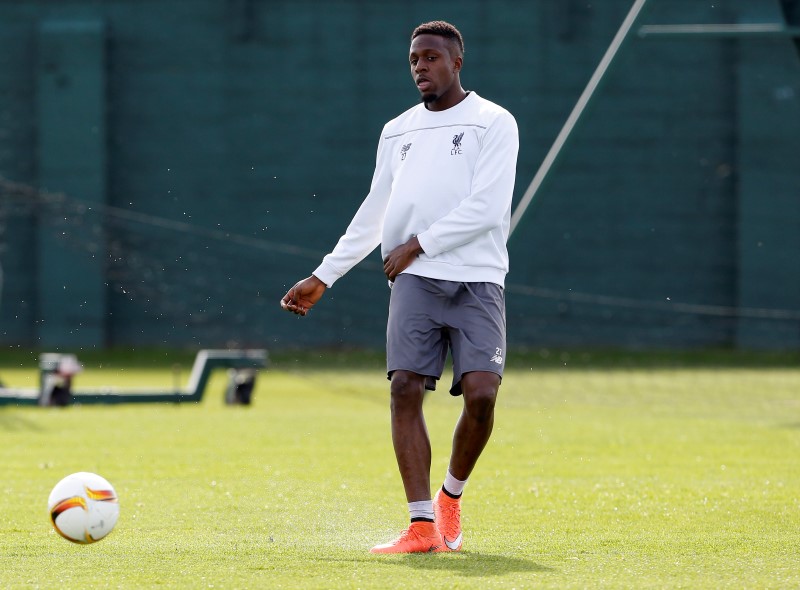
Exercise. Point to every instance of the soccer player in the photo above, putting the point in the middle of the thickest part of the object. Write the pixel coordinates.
(439, 206)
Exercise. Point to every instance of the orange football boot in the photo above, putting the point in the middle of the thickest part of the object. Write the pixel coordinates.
(419, 537)
(447, 512)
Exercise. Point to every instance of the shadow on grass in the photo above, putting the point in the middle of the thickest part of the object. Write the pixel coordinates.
(473, 563)
(11, 422)
(464, 563)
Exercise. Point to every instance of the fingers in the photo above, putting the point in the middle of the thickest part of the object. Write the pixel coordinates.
(389, 268)
(294, 308)
(393, 264)
(290, 304)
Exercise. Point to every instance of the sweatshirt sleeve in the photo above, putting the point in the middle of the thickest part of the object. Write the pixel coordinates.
(363, 234)
(489, 203)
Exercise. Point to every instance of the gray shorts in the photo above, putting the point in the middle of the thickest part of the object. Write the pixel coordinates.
(428, 317)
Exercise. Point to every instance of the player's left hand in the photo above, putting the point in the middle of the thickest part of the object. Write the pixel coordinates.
(401, 257)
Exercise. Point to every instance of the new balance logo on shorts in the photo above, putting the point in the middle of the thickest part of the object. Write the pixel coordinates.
(497, 357)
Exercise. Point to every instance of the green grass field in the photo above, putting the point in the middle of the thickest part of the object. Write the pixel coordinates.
(613, 472)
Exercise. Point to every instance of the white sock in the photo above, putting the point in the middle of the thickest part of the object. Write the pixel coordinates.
(421, 509)
(453, 486)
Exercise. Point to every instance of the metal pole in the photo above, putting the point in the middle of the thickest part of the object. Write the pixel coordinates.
(721, 30)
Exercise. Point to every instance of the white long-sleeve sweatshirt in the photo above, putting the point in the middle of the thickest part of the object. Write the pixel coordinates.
(446, 177)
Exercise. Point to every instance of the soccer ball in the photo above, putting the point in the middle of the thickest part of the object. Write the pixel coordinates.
(83, 507)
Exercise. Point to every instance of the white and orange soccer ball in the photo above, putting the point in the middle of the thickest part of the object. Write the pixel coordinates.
(83, 507)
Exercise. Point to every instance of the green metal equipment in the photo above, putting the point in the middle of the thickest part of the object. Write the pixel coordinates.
(57, 371)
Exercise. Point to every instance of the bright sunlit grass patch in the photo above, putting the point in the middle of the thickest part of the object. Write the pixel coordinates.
(643, 475)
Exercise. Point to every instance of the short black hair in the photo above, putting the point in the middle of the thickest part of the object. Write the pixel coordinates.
(442, 29)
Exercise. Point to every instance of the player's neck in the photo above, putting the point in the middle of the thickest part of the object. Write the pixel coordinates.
(448, 100)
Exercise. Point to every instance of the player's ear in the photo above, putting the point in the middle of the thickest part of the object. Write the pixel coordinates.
(458, 61)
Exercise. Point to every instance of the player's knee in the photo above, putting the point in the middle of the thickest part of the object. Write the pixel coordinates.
(407, 390)
(480, 405)
(479, 399)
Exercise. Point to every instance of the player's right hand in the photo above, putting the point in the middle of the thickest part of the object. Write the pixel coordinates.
(303, 295)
